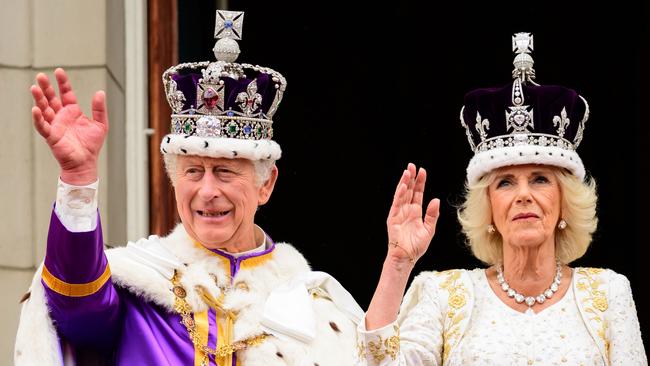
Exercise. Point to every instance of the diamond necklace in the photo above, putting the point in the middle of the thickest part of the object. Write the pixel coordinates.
(530, 300)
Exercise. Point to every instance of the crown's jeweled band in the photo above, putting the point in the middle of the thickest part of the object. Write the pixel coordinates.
(226, 126)
(517, 139)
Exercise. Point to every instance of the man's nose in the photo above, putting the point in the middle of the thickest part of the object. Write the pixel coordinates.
(210, 187)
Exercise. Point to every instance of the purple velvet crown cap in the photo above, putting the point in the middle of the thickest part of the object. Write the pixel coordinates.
(523, 122)
(222, 108)
(188, 83)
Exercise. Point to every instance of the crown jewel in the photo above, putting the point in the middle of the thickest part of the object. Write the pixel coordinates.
(228, 29)
(522, 45)
(223, 99)
(524, 122)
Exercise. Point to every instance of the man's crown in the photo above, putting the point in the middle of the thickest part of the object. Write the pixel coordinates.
(222, 108)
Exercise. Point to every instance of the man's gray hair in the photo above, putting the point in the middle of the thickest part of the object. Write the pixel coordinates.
(262, 169)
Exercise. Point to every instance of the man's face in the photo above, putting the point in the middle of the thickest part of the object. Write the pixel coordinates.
(217, 199)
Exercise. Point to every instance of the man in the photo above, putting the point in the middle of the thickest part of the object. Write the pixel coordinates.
(217, 290)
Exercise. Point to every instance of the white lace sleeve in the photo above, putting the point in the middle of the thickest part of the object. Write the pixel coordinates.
(626, 346)
(415, 338)
(76, 206)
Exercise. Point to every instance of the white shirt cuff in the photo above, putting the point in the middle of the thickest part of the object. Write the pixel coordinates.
(76, 206)
(387, 329)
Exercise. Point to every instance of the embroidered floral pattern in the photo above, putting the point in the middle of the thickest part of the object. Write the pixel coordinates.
(384, 347)
(456, 300)
(494, 334)
(600, 303)
(361, 349)
(595, 301)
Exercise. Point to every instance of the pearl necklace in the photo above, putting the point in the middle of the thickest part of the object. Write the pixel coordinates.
(530, 300)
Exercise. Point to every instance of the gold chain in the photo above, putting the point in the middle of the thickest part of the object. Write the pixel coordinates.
(183, 309)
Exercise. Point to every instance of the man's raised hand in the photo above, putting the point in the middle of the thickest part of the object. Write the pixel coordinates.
(74, 139)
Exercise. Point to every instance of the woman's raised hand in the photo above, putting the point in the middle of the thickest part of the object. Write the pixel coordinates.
(409, 234)
(74, 139)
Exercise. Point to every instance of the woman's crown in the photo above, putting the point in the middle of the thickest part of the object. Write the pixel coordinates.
(524, 122)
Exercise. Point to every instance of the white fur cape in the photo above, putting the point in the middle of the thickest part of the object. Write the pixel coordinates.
(311, 316)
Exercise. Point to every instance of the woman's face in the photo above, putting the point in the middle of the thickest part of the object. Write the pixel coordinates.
(526, 204)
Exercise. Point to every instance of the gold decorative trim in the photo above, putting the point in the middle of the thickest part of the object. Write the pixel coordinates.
(361, 349)
(455, 313)
(74, 289)
(256, 261)
(589, 283)
(247, 263)
(203, 330)
(185, 311)
(383, 347)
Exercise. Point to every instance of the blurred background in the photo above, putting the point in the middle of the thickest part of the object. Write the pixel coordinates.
(370, 88)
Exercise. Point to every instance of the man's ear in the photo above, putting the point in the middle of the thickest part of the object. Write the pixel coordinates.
(267, 188)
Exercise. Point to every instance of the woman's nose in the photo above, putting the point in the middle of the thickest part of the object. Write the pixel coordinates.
(523, 194)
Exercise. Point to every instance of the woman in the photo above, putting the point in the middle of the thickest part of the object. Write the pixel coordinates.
(528, 213)
(217, 290)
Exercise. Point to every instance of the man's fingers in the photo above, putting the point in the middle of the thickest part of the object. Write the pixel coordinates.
(65, 88)
(39, 98)
(40, 124)
(99, 108)
(48, 91)
(42, 103)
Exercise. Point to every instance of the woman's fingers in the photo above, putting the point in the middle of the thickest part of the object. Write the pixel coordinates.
(410, 189)
(412, 174)
(411, 182)
(399, 197)
(40, 124)
(49, 92)
(418, 188)
(65, 88)
(431, 216)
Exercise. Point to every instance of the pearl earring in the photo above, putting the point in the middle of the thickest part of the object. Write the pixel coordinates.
(491, 229)
(562, 224)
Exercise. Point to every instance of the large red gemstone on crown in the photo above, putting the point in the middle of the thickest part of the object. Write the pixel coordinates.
(210, 98)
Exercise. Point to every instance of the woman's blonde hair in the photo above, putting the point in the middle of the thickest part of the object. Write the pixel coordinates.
(578, 210)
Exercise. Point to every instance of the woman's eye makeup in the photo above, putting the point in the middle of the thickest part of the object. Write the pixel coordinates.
(503, 183)
(540, 179)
